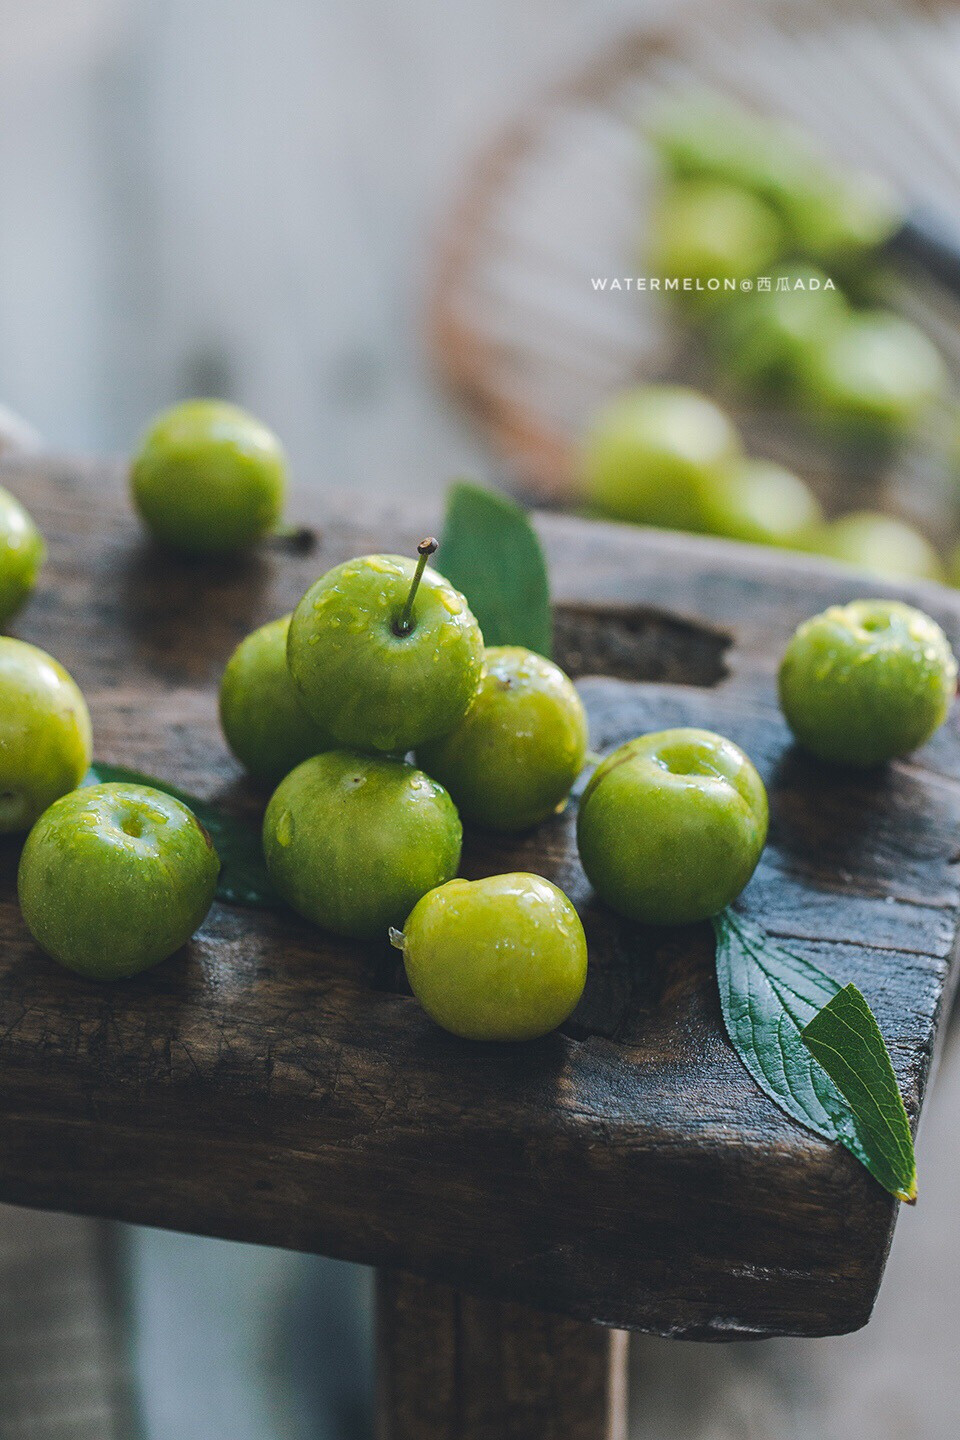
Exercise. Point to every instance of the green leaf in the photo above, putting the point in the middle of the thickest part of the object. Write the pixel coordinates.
(490, 552)
(243, 874)
(769, 996)
(845, 1038)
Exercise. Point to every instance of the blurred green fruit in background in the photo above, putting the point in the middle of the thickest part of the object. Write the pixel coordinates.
(830, 214)
(760, 340)
(875, 375)
(878, 543)
(651, 453)
(705, 233)
(758, 501)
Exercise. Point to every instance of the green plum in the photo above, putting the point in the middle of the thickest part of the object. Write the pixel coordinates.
(704, 135)
(208, 478)
(879, 543)
(352, 841)
(387, 655)
(761, 340)
(864, 682)
(45, 736)
(652, 451)
(704, 233)
(874, 375)
(841, 220)
(504, 958)
(829, 214)
(261, 710)
(671, 826)
(515, 754)
(758, 501)
(114, 878)
(22, 553)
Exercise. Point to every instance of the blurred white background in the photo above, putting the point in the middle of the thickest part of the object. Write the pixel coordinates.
(241, 197)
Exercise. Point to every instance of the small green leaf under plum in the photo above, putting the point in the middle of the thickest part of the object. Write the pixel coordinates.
(490, 552)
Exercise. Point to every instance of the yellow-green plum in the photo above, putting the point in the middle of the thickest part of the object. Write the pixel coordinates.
(672, 825)
(515, 754)
(879, 543)
(261, 710)
(45, 736)
(504, 958)
(704, 233)
(352, 841)
(758, 501)
(387, 654)
(864, 682)
(876, 375)
(652, 451)
(114, 878)
(22, 553)
(207, 478)
(761, 340)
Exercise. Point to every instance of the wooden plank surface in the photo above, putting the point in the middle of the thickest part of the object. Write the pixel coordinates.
(269, 1084)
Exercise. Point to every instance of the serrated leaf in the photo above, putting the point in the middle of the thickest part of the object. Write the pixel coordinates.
(490, 552)
(769, 996)
(845, 1039)
(243, 875)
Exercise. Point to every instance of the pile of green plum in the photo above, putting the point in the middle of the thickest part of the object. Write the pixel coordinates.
(394, 724)
(775, 262)
(383, 659)
(669, 456)
(741, 199)
(384, 723)
(385, 720)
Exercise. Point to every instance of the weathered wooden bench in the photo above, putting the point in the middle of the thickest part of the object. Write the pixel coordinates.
(270, 1084)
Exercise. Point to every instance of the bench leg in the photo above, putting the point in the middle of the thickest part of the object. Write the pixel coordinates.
(454, 1367)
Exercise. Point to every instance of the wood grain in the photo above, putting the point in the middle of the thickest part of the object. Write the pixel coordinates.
(460, 1367)
(269, 1084)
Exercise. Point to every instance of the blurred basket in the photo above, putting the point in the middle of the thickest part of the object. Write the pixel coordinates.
(532, 348)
